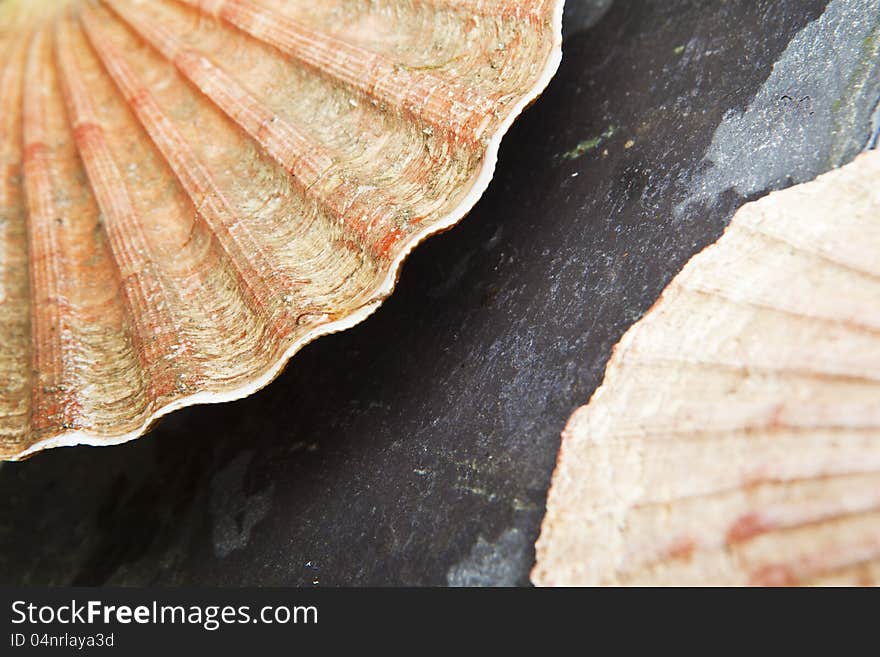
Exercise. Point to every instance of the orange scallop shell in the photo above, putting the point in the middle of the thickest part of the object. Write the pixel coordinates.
(193, 189)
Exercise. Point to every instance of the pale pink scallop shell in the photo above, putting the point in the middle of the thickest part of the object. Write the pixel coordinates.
(736, 437)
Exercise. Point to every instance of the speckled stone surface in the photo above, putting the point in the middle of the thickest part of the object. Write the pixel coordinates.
(417, 448)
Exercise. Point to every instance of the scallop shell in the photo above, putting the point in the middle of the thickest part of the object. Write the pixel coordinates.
(194, 189)
(736, 437)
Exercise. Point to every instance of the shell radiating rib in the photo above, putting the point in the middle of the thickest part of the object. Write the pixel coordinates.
(424, 96)
(736, 436)
(535, 9)
(54, 397)
(236, 238)
(369, 222)
(15, 332)
(156, 340)
(192, 191)
(79, 330)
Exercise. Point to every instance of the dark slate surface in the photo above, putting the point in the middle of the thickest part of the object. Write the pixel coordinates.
(418, 447)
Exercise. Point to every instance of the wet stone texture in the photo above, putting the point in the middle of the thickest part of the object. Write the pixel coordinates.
(417, 448)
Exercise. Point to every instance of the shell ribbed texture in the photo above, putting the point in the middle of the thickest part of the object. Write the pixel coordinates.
(192, 189)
